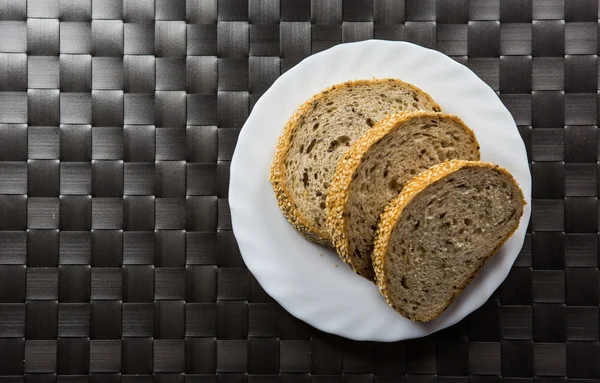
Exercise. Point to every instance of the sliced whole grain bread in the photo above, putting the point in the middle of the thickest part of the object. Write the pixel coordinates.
(374, 170)
(437, 234)
(320, 131)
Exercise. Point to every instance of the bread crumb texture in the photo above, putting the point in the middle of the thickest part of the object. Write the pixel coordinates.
(393, 214)
(347, 168)
(308, 226)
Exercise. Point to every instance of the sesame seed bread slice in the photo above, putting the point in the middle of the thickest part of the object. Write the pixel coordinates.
(320, 131)
(374, 170)
(437, 234)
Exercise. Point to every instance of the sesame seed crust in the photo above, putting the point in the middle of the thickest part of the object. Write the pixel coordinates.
(393, 212)
(338, 194)
(278, 169)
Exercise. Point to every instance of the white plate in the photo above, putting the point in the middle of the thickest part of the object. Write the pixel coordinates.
(310, 281)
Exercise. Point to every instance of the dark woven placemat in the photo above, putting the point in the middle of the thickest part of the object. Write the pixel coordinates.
(118, 119)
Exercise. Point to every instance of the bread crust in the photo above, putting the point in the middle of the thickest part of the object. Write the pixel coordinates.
(277, 174)
(393, 211)
(339, 189)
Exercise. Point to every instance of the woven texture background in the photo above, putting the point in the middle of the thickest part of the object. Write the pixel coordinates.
(118, 119)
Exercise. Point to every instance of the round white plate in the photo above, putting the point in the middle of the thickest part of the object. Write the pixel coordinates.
(310, 281)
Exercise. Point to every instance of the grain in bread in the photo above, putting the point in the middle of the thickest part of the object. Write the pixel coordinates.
(374, 170)
(437, 234)
(317, 135)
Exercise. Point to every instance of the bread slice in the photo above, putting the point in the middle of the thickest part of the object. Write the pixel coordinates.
(434, 237)
(320, 131)
(375, 169)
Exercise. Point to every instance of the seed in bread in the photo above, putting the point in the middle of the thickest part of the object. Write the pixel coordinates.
(374, 170)
(437, 234)
(320, 131)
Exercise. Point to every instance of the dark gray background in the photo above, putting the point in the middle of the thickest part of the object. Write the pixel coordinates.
(118, 119)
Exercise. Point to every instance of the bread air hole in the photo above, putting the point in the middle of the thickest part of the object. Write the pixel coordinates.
(333, 145)
(315, 126)
(370, 122)
(311, 146)
(341, 140)
(305, 178)
(372, 168)
(468, 221)
(322, 205)
(394, 185)
(386, 169)
(403, 282)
